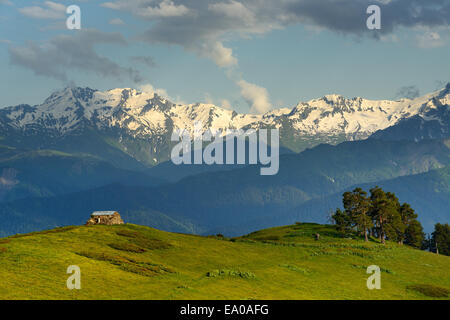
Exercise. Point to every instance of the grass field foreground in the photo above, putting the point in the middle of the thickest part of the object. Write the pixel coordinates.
(136, 262)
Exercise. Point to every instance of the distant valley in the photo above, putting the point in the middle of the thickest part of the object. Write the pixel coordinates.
(84, 150)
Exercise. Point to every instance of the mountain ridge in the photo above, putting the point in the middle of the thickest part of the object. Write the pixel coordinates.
(139, 124)
(242, 197)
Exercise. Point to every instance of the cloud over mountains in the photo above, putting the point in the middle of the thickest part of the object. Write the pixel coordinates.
(206, 27)
(64, 52)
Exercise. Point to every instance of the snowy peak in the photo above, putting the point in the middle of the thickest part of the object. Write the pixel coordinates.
(140, 123)
(358, 117)
(143, 114)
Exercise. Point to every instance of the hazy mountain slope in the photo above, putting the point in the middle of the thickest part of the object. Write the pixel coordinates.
(279, 263)
(316, 172)
(137, 204)
(173, 173)
(428, 193)
(239, 197)
(45, 173)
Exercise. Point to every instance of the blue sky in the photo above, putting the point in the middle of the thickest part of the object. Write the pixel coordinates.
(249, 55)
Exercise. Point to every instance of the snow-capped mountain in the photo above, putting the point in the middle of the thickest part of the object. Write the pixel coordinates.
(433, 122)
(139, 123)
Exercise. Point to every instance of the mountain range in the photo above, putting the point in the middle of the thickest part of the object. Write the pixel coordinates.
(132, 129)
(84, 150)
(236, 201)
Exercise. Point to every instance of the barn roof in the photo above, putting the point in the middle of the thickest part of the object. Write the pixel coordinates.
(103, 213)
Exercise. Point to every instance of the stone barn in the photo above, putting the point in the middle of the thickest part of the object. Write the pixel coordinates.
(104, 217)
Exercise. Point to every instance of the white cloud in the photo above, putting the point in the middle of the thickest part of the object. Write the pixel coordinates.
(257, 97)
(191, 23)
(57, 56)
(233, 9)
(430, 40)
(199, 26)
(221, 55)
(52, 10)
(145, 8)
(112, 5)
(149, 88)
(226, 104)
(390, 38)
(165, 9)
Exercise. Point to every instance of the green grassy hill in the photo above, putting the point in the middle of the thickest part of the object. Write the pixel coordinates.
(136, 262)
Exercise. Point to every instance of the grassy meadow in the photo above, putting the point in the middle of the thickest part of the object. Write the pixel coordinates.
(136, 262)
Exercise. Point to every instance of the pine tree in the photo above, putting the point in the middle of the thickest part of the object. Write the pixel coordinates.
(394, 228)
(383, 211)
(342, 221)
(414, 235)
(357, 206)
(440, 239)
(380, 214)
(413, 232)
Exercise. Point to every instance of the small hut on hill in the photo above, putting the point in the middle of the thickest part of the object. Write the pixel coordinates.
(105, 217)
